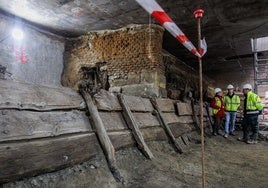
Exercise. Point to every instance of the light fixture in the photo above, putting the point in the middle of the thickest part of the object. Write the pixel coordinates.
(17, 34)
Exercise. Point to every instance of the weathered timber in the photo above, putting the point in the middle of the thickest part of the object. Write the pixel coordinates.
(138, 104)
(18, 125)
(166, 105)
(107, 101)
(113, 121)
(209, 116)
(145, 120)
(160, 116)
(154, 133)
(185, 139)
(30, 158)
(133, 125)
(195, 118)
(180, 129)
(125, 138)
(184, 109)
(104, 139)
(172, 118)
(121, 139)
(25, 96)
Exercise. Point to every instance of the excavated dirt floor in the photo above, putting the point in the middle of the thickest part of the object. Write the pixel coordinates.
(229, 164)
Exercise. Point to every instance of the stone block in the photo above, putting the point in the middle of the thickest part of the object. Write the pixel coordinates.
(143, 90)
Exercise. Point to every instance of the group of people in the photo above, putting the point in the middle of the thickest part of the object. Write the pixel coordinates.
(225, 107)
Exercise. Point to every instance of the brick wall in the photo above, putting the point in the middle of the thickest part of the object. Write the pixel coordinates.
(132, 54)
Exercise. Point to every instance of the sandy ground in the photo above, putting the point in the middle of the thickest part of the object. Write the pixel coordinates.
(228, 164)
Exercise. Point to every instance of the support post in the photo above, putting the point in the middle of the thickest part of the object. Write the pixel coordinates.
(197, 124)
(132, 124)
(168, 131)
(103, 137)
(198, 15)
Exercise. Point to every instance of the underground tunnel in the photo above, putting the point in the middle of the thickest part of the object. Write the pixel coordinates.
(119, 93)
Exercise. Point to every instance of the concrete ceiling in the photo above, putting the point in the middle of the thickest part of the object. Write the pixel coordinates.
(228, 25)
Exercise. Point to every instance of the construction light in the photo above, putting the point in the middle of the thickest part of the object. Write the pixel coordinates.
(17, 34)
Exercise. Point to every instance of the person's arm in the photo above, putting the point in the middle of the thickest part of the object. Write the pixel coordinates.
(258, 103)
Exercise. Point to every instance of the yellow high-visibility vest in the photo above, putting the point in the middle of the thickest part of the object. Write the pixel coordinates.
(218, 103)
(253, 102)
(231, 103)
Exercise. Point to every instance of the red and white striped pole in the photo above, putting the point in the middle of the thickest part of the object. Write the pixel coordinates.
(153, 8)
(198, 15)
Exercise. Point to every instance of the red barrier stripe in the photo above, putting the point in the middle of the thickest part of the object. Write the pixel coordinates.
(201, 51)
(182, 38)
(194, 51)
(161, 17)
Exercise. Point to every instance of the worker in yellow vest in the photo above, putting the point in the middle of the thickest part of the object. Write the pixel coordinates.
(252, 108)
(232, 103)
(218, 110)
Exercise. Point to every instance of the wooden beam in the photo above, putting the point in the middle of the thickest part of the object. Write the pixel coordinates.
(28, 158)
(25, 96)
(195, 118)
(168, 131)
(19, 125)
(133, 125)
(209, 116)
(104, 139)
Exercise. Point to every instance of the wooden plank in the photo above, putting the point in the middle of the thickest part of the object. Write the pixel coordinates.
(30, 158)
(180, 129)
(154, 134)
(17, 125)
(196, 120)
(164, 124)
(133, 125)
(122, 139)
(171, 118)
(209, 117)
(184, 109)
(196, 110)
(19, 95)
(185, 139)
(107, 101)
(138, 104)
(145, 120)
(104, 139)
(166, 105)
(113, 121)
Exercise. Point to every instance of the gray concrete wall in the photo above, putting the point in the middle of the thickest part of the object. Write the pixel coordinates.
(37, 58)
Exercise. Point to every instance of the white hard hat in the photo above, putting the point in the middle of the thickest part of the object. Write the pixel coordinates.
(217, 90)
(247, 86)
(230, 86)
